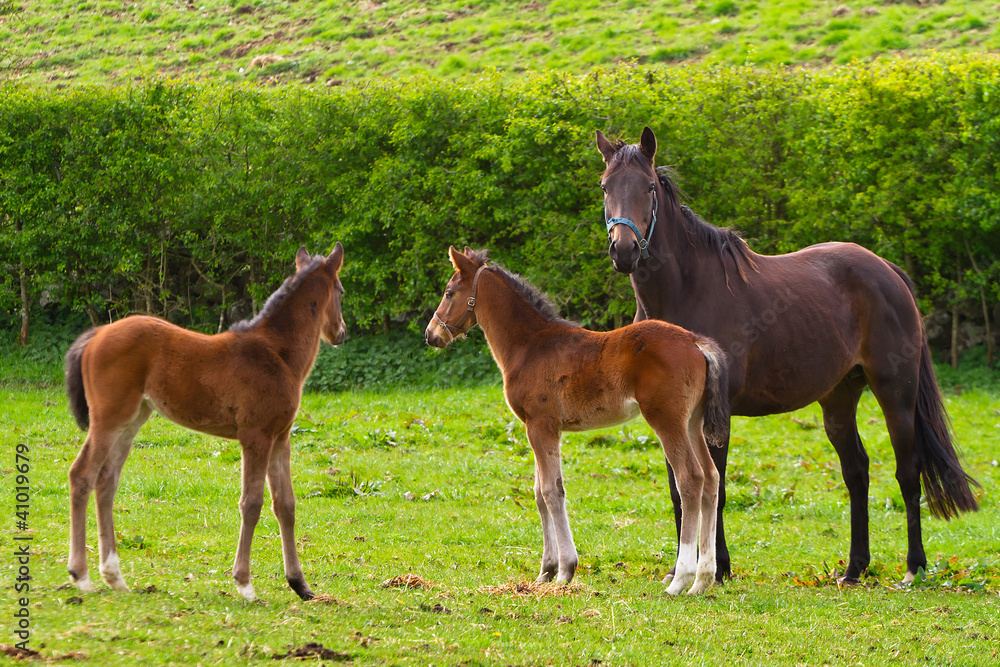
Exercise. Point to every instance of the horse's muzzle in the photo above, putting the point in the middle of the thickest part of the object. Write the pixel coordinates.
(624, 259)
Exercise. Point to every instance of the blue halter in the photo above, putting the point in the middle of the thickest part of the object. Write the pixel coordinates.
(643, 242)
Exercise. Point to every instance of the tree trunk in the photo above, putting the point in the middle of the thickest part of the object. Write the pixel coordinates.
(955, 313)
(982, 299)
(25, 303)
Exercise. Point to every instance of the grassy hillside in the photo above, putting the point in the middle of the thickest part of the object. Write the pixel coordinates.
(335, 42)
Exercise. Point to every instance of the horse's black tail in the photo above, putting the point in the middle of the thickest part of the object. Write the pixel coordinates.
(947, 487)
(74, 380)
(716, 411)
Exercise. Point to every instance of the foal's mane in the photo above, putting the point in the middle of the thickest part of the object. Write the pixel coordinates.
(537, 299)
(280, 295)
(722, 240)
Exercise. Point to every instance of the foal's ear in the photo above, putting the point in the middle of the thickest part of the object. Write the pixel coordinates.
(302, 258)
(460, 261)
(647, 143)
(603, 145)
(336, 258)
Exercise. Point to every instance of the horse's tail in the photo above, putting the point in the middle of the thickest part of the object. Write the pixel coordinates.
(74, 380)
(716, 410)
(947, 487)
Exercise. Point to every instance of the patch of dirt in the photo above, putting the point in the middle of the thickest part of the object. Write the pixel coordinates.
(265, 60)
(532, 588)
(313, 649)
(406, 581)
(323, 598)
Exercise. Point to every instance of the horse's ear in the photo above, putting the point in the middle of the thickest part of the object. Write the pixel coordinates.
(647, 143)
(603, 145)
(468, 251)
(460, 261)
(302, 258)
(336, 258)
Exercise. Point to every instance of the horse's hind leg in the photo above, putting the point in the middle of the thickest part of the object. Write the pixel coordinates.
(105, 489)
(706, 573)
(840, 408)
(256, 454)
(897, 398)
(544, 439)
(279, 478)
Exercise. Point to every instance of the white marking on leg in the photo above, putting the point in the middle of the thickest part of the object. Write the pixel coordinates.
(111, 573)
(246, 590)
(909, 578)
(684, 571)
(705, 576)
(84, 583)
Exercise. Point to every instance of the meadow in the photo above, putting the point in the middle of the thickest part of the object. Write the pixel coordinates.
(69, 42)
(417, 528)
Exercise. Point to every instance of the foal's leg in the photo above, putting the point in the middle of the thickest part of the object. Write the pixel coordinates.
(106, 487)
(706, 572)
(543, 435)
(840, 421)
(550, 549)
(279, 478)
(256, 454)
(82, 477)
(723, 566)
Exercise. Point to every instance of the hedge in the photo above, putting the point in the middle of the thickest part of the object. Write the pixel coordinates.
(188, 199)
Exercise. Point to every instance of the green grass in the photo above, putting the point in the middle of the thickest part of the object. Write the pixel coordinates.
(63, 41)
(438, 485)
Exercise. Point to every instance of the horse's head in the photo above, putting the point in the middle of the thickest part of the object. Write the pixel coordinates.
(333, 329)
(455, 315)
(629, 185)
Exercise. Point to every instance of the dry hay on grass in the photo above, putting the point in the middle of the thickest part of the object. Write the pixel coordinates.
(265, 59)
(313, 650)
(34, 656)
(323, 598)
(535, 589)
(406, 581)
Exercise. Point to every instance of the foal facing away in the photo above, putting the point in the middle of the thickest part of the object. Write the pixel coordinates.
(244, 384)
(559, 377)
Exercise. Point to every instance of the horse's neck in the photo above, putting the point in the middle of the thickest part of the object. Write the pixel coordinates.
(507, 319)
(679, 274)
(294, 328)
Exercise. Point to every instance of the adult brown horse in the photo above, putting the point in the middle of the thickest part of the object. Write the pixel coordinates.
(814, 325)
(244, 384)
(558, 377)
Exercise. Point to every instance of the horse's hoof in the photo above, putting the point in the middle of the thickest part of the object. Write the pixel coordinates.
(84, 584)
(247, 591)
(848, 581)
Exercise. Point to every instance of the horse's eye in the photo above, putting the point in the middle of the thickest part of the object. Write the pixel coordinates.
(652, 187)
(604, 188)
(448, 294)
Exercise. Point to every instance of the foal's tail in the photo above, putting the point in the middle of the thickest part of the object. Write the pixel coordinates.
(74, 380)
(947, 487)
(716, 411)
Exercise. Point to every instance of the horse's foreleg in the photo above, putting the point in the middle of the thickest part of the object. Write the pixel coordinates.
(550, 498)
(279, 478)
(105, 489)
(256, 453)
(550, 549)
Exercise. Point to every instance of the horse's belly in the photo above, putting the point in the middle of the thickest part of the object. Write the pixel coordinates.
(586, 418)
(200, 421)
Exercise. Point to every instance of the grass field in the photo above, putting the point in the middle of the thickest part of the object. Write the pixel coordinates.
(338, 41)
(438, 486)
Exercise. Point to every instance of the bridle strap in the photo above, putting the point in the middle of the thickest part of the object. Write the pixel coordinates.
(455, 330)
(643, 242)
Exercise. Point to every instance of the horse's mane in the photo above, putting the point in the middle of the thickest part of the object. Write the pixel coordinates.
(537, 299)
(280, 295)
(722, 240)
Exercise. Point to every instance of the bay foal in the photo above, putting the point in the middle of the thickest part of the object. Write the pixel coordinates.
(243, 384)
(559, 377)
